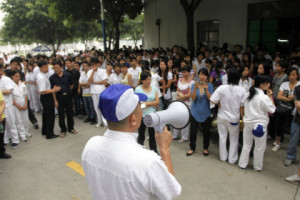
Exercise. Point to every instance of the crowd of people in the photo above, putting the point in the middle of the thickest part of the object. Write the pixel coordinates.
(249, 89)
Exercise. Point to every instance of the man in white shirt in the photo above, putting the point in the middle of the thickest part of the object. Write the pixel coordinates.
(97, 86)
(135, 71)
(115, 165)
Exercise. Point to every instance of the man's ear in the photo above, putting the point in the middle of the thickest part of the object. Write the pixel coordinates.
(133, 120)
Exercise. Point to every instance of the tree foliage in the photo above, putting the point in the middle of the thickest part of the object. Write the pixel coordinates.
(133, 28)
(115, 11)
(29, 21)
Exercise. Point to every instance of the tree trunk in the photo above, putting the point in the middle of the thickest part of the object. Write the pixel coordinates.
(190, 31)
(117, 34)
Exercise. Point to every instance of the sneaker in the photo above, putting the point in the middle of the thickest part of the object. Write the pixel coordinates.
(98, 125)
(242, 169)
(93, 122)
(79, 116)
(35, 125)
(274, 143)
(24, 139)
(28, 135)
(176, 138)
(182, 141)
(293, 178)
(288, 162)
(257, 170)
(14, 145)
(276, 147)
(148, 138)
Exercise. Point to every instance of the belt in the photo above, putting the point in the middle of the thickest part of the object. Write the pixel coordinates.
(63, 94)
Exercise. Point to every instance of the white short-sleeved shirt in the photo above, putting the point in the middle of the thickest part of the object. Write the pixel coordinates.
(19, 93)
(285, 87)
(36, 70)
(225, 80)
(99, 75)
(115, 78)
(42, 82)
(231, 98)
(142, 175)
(257, 109)
(30, 77)
(246, 84)
(168, 92)
(155, 79)
(84, 77)
(184, 88)
(7, 84)
(135, 73)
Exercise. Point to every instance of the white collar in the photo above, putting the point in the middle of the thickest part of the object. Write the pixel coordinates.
(260, 91)
(124, 136)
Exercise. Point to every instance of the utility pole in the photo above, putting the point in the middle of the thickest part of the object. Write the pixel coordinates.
(103, 25)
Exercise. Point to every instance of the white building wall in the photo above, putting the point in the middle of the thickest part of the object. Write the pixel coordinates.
(231, 13)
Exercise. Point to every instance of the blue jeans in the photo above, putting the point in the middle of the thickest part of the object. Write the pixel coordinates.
(89, 107)
(292, 148)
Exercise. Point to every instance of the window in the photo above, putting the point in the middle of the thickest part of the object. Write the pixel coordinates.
(208, 33)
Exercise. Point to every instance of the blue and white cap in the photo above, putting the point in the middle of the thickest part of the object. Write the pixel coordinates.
(118, 101)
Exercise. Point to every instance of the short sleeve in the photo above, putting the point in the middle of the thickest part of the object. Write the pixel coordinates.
(191, 83)
(216, 96)
(283, 86)
(267, 105)
(41, 84)
(170, 76)
(243, 96)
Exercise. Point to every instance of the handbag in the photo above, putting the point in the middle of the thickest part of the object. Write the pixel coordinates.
(284, 107)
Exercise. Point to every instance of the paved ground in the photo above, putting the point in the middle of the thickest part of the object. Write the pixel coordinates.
(38, 171)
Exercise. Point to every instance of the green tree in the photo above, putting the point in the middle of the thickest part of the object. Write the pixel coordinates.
(90, 10)
(133, 28)
(28, 20)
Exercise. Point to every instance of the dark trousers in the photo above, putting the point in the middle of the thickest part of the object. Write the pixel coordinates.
(141, 137)
(48, 117)
(31, 114)
(76, 98)
(279, 124)
(2, 148)
(89, 107)
(205, 130)
(65, 104)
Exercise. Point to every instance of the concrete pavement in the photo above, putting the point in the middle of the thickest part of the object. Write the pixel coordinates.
(38, 171)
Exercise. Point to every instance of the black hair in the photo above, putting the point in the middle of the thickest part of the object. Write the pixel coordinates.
(242, 69)
(209, 61)
(41, 63)
(57, 63)
(203, 71)
(85, 62)
(185, 68)
(259, 79)
(291, 69)
(145, 65)
(94, 60)
(145, 75)
(15, 72)
(284, 64)
(68, 59)
(186, 62)
(1, 66)
(15, 59)
(267, 67)
(233, 77)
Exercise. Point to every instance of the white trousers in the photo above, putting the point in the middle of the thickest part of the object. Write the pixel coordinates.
(10, 126)
(259, 149)
(100, 118)
(224, 127)
(22, 122)
(184, 133)
(33, 96)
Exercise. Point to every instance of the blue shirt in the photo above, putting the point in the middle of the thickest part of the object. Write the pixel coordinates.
(151, 97)
(201, 106)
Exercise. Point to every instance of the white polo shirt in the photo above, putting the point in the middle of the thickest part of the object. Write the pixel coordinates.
(84, 77)
(19, 93)
(115, 79)
(135, 73)
(256, 110)
(246, 84)
(7, 84)
(118, 168)
(99, 75)
(231, 98)
(42, 82)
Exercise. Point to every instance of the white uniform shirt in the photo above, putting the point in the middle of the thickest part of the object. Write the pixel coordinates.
(19, 93)
(231, 98)
(7, 84)
(246, 84)
(135, 73)
(42, 82)
(168, 92)
(84, 78)
(99, 75)
(225, 80)
(36, 70)
(155, 79)
(115, 79)
(256, 110)
(118, 168)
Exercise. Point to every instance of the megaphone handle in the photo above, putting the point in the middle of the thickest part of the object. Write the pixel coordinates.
(159, 128)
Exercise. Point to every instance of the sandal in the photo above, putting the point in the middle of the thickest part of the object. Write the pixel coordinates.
(73, 131)
(62, 135)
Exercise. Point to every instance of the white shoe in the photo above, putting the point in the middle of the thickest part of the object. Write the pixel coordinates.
(98, 125)
(276, 147)
(28, 135)
(24, 139)
(182, 141)
(274, 143)
(293, 178)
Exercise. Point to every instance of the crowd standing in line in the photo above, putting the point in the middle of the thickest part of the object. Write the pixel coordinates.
(250, 89)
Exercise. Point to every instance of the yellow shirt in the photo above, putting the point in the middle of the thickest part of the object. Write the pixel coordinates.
(2, 99)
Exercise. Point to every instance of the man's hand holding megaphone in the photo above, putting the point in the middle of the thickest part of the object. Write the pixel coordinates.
(164, 141)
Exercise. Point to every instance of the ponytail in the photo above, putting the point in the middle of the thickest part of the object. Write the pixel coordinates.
(252, 92)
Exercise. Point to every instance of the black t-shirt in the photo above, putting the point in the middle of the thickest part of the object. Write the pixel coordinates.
(297, 98)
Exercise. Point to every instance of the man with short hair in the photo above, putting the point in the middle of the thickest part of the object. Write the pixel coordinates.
(115, 165)
(64, 98)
